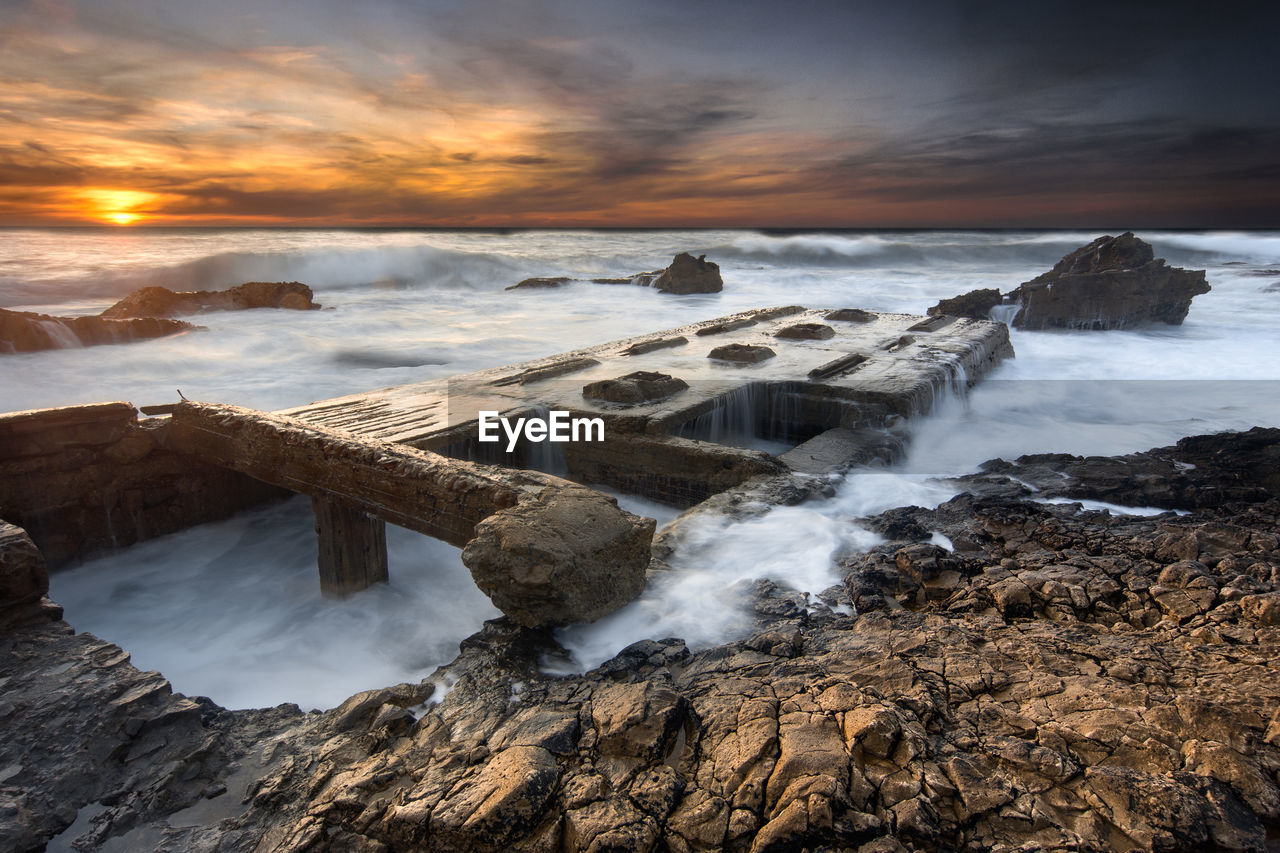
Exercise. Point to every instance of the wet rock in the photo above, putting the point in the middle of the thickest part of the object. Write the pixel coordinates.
(742, 353)
(805, 332)
(850, 315)
(1112, 283)
(24, 581)
(688, 274)
(545, 282)
(163, 302)
(976, 304)
(569, 556)
(642, 386)
(24, 331)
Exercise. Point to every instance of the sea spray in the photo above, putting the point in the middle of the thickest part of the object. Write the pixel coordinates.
(705, 598)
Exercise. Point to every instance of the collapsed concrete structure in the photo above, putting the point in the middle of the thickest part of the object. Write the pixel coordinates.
(679, 417)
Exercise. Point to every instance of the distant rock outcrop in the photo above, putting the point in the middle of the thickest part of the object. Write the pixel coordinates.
(1112, 283)
(976, 304)
(686, 274)
(24, 331)
(163, 302)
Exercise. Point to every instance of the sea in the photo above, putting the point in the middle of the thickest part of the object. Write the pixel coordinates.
(232, 610)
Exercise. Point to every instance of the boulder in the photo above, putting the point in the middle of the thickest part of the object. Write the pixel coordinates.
(163, 302)
(850, 315)
(25, 331)
(642, 386)
(688, 274)
(806, 332)
(23, 577)
(976, 304)
(570, 556)
(1112, 283)
(742, 353)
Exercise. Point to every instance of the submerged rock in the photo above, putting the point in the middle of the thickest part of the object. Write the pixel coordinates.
(24, 331)
(1112, 283)
(163, 302)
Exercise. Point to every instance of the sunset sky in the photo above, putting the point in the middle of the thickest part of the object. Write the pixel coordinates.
(591, 112)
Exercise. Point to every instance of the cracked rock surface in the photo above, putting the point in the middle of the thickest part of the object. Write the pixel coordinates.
(1059, 679)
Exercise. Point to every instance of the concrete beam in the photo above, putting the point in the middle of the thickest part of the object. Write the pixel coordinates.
(545, 550)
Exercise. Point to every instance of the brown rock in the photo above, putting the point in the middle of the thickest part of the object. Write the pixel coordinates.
(742, 353)
(1112, 283)
(163, 302)
(23, 331)
(806, 332)
(850, 315)
(23, 577)
(505, 798)
(688, 274)
(642, 386)
(976, 304)
(637, 720)
(570, 556)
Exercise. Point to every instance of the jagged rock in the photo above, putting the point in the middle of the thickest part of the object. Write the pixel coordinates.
(1112, 283)
(976, 304)
(24, 331)
(163, 302)
(1084, 718)
(688, 274)
(806, 332)
(567, 557)
(505, 798)
(742, 353)
(24, 581)
(641, 386)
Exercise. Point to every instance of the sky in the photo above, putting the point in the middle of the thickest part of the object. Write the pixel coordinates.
(641, 113)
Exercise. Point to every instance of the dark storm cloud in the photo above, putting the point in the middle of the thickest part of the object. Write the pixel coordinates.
(568, 110)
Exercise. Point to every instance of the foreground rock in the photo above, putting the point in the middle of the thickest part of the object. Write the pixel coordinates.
(1112, 283)
(1061, 679)
(570, 556)
(162, 302)
(24, 331)
(686, 274)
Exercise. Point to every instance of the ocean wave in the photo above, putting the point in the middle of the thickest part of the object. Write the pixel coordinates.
(322, 268)
(858, 250)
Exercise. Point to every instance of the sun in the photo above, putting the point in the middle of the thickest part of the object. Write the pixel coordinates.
(119, 207)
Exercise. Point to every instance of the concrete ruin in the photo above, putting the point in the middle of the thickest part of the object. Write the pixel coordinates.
(681, 424)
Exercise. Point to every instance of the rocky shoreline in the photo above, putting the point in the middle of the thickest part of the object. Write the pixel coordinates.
(1061, 678)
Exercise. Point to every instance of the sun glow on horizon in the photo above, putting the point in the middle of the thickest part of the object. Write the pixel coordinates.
(119, 207)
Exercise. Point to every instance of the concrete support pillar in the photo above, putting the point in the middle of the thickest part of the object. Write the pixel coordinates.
(353, 547)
